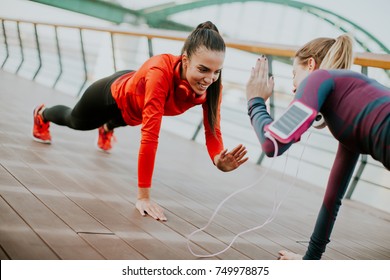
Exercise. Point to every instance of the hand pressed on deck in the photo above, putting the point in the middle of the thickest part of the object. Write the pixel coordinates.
(148, 207)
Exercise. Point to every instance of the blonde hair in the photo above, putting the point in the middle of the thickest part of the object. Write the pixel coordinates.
(328, 53)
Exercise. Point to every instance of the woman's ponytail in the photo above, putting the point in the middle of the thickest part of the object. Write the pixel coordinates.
(328, 53)
(340, 55)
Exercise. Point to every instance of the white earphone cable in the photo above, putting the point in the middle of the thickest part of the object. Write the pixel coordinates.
(275, 208)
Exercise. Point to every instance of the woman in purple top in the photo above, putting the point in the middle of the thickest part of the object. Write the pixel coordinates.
(356, 110)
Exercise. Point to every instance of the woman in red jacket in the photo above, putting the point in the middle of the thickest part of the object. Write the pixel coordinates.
(165, 85)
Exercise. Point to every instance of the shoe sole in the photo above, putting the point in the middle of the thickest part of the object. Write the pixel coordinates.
(41, 141)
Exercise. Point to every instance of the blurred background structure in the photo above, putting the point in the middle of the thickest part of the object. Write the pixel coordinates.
(69, 44)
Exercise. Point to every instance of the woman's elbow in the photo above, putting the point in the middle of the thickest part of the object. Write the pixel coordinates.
(269, 154)
(268, 149)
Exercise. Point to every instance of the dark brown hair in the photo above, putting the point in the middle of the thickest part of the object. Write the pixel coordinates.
(207, 35)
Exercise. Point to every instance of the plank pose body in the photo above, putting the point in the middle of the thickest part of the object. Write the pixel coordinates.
(165, 85)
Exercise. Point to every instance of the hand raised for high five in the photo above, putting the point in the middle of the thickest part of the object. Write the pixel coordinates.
(229, 161)
(259, 84)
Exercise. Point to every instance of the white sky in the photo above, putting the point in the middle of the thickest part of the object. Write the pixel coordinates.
(373, 15)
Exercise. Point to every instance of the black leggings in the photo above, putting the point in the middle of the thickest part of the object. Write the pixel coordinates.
(95, 108)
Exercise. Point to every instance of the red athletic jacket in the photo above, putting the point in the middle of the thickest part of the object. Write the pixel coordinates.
(157, 90)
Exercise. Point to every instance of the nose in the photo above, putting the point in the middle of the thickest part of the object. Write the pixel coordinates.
(207, 80)
(211, 78)
(294, 89)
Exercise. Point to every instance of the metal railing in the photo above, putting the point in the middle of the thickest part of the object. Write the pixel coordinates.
(58, 55)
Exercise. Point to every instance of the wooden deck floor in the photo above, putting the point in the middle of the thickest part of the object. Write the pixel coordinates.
(69, 201)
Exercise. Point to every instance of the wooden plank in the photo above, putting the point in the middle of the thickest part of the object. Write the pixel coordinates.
(120, 223)
(52, 230)
(272, 237)
(69, 212)
(3, 254)
(124, 191)
(111, 246)
(183, 206)
(18, 240)
(173, 239)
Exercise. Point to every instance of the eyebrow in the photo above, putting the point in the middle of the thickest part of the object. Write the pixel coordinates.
(201, 65)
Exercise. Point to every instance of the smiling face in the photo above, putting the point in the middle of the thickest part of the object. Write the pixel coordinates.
(202, 69)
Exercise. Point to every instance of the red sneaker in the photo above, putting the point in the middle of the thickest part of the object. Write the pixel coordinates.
(105, 138)
(41, 131)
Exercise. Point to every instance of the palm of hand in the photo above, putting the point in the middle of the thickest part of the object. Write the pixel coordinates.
(259, 84)
(230, 161)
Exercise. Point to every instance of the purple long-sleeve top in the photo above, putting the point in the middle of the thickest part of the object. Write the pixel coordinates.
(356, 110)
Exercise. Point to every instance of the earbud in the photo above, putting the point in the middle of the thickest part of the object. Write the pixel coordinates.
(319, 121)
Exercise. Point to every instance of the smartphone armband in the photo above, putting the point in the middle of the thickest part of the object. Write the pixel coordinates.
(293, 123)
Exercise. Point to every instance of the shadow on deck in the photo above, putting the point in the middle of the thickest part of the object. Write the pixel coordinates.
(69, 201)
